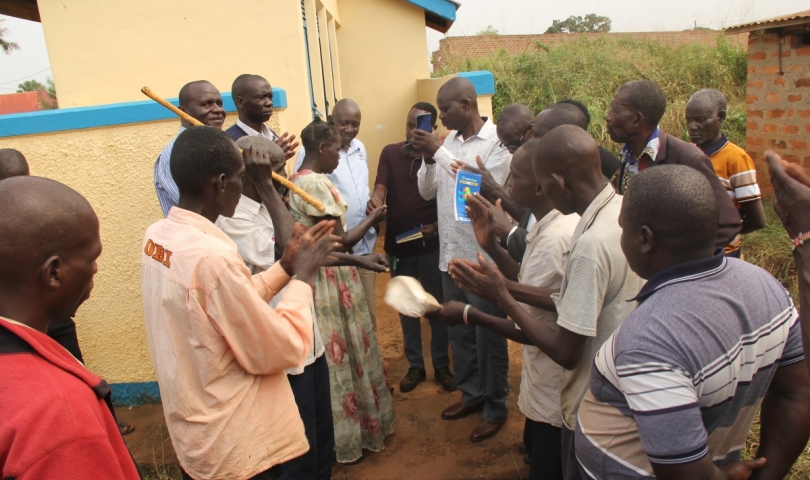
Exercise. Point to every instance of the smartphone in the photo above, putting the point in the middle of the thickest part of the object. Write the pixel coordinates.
(423, 122)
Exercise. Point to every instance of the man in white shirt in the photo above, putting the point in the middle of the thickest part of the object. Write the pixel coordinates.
(351, 179)
(201, 100)
(480, 356)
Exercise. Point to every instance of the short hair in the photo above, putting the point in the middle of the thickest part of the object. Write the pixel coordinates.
(715, 97)
(198, 155)
(427, 107)
(12, 163)
(185, 92)
(645, 96)
(566, 114)
(582, 108)
(264, 145)
(319, 131)
(239, 83)
(677, 203)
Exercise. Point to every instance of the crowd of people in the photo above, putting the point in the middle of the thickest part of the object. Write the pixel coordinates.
(649, 344)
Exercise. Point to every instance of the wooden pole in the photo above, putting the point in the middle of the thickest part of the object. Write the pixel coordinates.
(293, 187)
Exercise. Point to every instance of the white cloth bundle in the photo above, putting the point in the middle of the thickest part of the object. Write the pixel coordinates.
(406, 296)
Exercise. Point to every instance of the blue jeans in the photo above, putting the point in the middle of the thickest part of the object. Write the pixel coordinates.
(425, 268)
(480, 356)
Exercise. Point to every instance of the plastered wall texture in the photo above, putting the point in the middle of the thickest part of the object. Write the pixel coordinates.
(113, 168)
(778, 101)
(452, 48)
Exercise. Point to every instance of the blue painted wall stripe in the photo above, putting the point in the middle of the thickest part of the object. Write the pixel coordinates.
(135, 393)
(482, 80)
(45, 121)
(443, 8)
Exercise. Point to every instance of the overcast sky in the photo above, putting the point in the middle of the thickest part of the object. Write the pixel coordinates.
(507, 16)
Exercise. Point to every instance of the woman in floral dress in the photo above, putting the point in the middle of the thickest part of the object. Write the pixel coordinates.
(362, 409)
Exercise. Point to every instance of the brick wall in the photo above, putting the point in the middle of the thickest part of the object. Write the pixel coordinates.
(480, 46)
(778, 103)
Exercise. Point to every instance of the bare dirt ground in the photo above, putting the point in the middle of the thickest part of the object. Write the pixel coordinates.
(423, 446)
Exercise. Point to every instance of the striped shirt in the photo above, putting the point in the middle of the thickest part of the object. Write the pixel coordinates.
(685, 374)
(736, 171)
(167, 192)
(251, 229)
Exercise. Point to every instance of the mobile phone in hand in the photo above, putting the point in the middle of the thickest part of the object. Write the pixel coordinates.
(423, 122)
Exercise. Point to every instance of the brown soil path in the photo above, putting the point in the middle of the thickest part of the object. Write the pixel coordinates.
(423, 446)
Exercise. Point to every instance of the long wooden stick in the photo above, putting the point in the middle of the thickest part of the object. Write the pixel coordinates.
(293, 187)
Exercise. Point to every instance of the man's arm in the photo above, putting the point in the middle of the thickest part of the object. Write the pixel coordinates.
(482, 217)
(283, 223)
(374, 262)
(377, 197)
(730, 223)
(426, 180)
(753, 216)
(452, 313)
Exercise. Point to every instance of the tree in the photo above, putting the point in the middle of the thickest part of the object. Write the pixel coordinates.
(592, 23)
(51, 90)
(6, 45)
(29, 86)
(489, 31)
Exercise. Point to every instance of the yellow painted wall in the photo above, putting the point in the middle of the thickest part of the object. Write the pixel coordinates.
(382, 80)
(103, 51)
(113, 168)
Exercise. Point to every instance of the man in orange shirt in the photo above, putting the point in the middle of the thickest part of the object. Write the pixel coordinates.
(705, 114)
(219, 350)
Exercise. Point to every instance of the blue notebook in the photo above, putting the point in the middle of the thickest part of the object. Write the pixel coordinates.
(467, 183)
(410, 235)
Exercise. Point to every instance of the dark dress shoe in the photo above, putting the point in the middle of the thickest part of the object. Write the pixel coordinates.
(485, 430)
(460, 410)
(522, 448)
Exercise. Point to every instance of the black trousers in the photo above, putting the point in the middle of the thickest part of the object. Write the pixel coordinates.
(544, 446)
(314, 400)
(64, 332)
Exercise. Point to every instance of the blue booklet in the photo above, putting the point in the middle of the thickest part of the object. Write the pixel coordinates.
(410, 235)
(467, 183)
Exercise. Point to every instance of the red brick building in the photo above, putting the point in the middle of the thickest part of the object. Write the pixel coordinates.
(778, 92)
(479, 46)
(25, 102)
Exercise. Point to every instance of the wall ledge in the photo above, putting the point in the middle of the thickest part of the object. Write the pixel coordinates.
(45, 121)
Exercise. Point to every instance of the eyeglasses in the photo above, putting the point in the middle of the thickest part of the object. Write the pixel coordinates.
(516, 145)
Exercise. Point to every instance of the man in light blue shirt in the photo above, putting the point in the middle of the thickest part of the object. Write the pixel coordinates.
(201, 100)
(351, 179)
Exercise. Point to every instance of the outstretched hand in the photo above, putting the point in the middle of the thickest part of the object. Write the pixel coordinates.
(375, 262)
(791, 194)
(742, 470)
(288, 144)
(481, 216)
(451, 313)
(306, 251)
(483, 279)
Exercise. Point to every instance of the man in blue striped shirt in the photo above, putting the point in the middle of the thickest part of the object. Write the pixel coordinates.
(201, 100)
(674, 391)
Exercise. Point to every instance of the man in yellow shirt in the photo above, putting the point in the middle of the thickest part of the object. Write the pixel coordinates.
(705, 113)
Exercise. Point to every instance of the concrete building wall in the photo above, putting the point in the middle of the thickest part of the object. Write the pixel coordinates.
(778, 101)
(452, 48)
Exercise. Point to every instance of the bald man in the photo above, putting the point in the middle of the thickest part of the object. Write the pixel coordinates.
(480, 356)
(597, 281)
(57, 416)
(12, 163)
(201, 100)
(253, 97)
(351, 179)
(705, 114)
(674, 391)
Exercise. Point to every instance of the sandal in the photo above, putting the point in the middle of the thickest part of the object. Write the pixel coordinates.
(125, 428)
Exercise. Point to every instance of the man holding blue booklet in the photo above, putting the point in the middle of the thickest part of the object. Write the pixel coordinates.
(412, 246)
(480, 356)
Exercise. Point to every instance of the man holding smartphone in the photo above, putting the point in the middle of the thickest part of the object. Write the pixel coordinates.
(396, 185)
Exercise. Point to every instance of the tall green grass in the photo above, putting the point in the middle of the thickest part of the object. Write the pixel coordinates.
(591, 69)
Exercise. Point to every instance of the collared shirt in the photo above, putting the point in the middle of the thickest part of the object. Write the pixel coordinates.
(351, 180)
(456, 239)
(542, 266)
(634, 165)
(736, 171)
(266, 132)
(595, 288)
(683, 377)
(406, 208)
(251, 229)
(220, 351)
(167, 191)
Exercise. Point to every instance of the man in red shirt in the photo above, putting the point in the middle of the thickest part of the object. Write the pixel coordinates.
(396, 185)
(58, 420)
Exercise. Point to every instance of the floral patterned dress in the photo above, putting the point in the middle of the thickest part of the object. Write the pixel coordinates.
(362, 408)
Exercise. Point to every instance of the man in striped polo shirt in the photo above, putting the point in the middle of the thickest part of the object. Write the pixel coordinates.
(675, 389)
(705, 114)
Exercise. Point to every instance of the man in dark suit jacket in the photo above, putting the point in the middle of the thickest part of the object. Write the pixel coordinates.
(633, 118)
(253, 97)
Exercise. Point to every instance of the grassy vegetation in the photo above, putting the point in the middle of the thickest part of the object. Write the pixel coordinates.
(590, 70)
